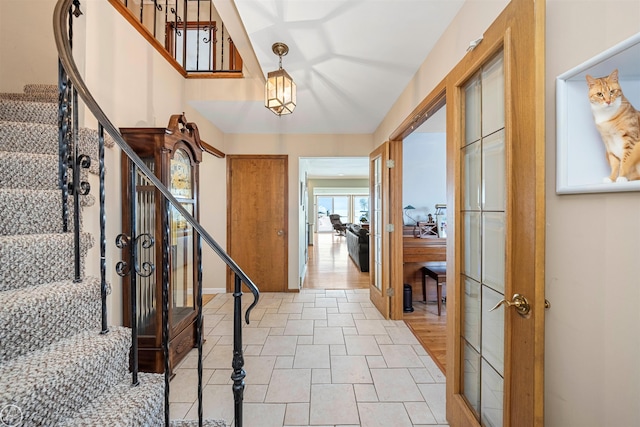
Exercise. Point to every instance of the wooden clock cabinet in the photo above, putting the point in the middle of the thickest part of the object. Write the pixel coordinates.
(173, 154)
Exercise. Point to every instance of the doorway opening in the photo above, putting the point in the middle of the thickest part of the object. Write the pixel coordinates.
(330, 186)
(424, 196)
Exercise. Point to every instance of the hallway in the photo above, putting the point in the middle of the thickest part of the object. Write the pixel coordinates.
(321, 357)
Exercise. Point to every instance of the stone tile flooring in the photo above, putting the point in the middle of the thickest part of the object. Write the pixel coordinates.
(314, 358)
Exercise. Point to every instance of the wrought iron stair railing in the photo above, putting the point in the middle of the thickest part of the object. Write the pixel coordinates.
(72, 88)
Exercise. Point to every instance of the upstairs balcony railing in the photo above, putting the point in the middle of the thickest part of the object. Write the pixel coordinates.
(188, 33)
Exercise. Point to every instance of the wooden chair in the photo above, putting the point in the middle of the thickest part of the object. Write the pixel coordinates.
(438, 272)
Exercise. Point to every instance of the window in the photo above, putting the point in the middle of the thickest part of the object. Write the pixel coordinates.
(351, 208)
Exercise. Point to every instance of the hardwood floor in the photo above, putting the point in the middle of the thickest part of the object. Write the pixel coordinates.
(330, 267)
(430, 329)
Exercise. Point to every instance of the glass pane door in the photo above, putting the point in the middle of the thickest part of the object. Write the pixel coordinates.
(484, 233)
(379, 253)
(182, 267)
(376, 226)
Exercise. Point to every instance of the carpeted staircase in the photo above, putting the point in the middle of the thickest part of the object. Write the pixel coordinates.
(56, 369)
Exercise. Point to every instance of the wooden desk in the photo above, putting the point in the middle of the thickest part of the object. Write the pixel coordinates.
(424, 250)
(438, 272)
(417, 252)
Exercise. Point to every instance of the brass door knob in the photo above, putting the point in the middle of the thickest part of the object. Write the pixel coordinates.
(519, 302)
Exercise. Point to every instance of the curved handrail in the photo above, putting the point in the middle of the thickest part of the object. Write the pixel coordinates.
(60, 15)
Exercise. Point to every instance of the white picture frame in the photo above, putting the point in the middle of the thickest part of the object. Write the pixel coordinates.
(581, 162)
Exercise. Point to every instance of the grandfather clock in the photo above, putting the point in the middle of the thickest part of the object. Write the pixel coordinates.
(173, 154)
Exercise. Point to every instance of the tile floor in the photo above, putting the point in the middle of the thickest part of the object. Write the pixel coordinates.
(314, 358)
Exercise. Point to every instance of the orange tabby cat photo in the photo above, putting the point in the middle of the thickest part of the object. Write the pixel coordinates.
(619, 125)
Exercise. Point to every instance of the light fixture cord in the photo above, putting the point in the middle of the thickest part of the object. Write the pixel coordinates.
(280, 56)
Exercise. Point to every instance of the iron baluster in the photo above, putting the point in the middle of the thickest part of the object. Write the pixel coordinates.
(156, 8)
(133, 268)
(210, 40)
(80, 188)
(133, 279)
(166, 27)
(198, 40)
(71, 24)
(176, 33)
(238, 374)
(184, 36)
(63, 143)
(76, 8)
(222, 47)
(165, 306)
(103, 234)
(199, 326)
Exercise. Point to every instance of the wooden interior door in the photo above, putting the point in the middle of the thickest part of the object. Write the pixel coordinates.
(379, 251)
(495, 154)
(257, 220)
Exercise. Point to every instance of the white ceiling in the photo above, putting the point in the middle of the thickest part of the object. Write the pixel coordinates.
(350, 59)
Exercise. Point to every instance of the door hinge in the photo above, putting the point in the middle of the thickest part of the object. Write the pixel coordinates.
(391, 163)
(390, 292)
(389, 228)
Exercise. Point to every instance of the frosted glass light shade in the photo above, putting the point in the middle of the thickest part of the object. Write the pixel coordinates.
(280, 93)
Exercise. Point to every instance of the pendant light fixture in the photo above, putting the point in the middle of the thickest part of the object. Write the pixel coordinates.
(280, 90)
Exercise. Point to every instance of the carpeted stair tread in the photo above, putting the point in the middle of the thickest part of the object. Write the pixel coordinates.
(28, 111)
(194, 423)
(41, 88)
(34, 259)
(29, 171)
(32, 318)
(51, 384)
(34, 211)
(43, 139)
(35, 92)
(124, 405)
(36, 97)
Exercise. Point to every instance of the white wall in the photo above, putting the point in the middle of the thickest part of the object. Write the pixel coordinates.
(28, 53)
(592, 271)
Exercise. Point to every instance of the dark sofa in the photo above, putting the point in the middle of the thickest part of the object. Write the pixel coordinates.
(358, 244)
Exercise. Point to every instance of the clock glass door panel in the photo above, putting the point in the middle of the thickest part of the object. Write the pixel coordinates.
(145, 225)
(182, 271)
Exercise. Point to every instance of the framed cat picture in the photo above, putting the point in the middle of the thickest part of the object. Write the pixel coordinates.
(598, 123)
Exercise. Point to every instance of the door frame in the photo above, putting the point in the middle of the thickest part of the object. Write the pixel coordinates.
(429, 105)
